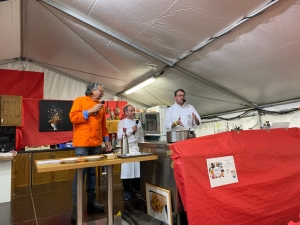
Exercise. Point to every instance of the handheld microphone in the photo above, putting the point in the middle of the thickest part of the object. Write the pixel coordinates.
(102, 102)
(183, 100)
(137, 120)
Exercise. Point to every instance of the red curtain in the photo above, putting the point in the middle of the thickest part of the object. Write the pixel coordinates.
(267, 165)
(27, 84)
(22, 83)
(30, 85)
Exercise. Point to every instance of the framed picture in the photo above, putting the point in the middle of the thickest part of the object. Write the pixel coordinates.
(54, 115)
(159, 203)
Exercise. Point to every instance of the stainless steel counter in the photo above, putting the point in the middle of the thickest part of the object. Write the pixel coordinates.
(160, 173)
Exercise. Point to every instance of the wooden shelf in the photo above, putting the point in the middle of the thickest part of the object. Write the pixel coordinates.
(11, 110)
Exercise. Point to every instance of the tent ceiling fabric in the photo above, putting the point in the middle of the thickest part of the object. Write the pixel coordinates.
(10, 30)
(255, 64)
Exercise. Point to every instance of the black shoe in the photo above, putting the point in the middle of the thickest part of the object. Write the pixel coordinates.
(127, 196)
(74, 214)
(93, 205)
(137, 193)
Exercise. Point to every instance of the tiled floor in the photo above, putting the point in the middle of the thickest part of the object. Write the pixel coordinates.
(51, 204)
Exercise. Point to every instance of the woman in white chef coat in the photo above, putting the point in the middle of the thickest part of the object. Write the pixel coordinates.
(130, 172)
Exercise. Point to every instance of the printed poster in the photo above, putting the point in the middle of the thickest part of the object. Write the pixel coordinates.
(221, 171)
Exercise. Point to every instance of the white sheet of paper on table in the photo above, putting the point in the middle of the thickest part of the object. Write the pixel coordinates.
(49, 162)
(133, 152)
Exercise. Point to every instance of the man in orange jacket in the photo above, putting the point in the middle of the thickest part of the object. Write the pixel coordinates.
(89, 130)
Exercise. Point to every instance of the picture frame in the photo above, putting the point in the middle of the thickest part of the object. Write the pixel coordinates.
(159, 203)
(54, 115)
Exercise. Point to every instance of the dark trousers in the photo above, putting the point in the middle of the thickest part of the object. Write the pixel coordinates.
(131, 184)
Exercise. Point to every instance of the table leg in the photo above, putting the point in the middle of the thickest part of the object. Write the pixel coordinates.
(79, 174)
(110, 196)
(99, 168)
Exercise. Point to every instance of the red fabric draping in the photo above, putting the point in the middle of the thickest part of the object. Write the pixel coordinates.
(30, 131)
(267, 165)
(30, 85)
(27, 84)
(22, 83)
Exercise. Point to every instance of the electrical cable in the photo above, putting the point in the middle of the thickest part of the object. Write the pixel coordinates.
(282, 112)
(232, 118)
(261, 111)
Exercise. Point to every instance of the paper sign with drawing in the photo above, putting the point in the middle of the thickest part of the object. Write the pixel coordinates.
(221, 171)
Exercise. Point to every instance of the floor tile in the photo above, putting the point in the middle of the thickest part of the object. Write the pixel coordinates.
(18, 210)
(22, 191)
(52, 204)
(63, 219)
(30, 222)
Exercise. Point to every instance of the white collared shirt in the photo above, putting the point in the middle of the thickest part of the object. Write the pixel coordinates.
(184, 112)
(133, 139)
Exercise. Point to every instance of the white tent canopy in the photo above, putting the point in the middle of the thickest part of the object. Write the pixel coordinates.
(184, 44)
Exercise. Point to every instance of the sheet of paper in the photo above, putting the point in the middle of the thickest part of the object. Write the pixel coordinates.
(221, 171)
(49, 162)
(7, 154)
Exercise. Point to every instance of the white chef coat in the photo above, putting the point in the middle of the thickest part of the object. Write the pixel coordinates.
(184, 112)
(130, 170)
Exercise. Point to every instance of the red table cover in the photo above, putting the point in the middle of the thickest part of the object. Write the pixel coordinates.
(268, 169)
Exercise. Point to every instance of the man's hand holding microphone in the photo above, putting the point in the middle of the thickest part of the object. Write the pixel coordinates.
(97, 107)
(134, 128)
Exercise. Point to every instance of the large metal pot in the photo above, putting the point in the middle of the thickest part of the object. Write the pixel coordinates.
(177, 135)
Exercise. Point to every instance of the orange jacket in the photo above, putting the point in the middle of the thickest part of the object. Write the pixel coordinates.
(87, 133)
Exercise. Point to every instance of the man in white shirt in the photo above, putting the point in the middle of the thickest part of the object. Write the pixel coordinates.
(130, 172)
(181, 113)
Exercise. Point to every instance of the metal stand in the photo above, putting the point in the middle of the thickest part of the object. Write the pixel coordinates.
(110, 196)
(99, 168)
(79, 173)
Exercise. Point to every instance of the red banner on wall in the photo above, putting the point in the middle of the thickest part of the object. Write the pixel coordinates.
(22, 83)
(30, 85)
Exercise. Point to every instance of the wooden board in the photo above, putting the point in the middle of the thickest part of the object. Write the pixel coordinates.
(83, 164)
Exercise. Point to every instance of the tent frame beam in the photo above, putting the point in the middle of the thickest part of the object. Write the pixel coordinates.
(104, 30)
(141, 49)
(79, 80)
(7, 61)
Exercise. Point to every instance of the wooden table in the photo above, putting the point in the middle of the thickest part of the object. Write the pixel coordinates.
(82, 163)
